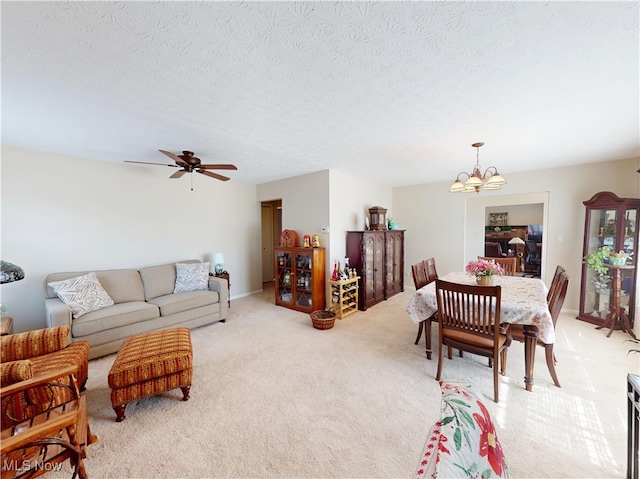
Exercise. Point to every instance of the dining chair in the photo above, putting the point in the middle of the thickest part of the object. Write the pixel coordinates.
(424, 273)
(558, 294)
(469, 319)
(554, 282)
(533, 260)
(493, 249)
(509, 264)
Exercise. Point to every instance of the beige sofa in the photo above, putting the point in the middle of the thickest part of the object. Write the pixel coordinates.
(143, 301)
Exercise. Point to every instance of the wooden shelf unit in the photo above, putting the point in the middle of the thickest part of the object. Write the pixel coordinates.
(344, 296)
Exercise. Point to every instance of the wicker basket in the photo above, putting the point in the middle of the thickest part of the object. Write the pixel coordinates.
(323, 319)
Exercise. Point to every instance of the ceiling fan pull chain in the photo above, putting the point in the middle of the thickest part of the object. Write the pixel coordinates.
(191, 175)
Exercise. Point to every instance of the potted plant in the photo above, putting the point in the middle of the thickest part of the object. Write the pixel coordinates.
(597, 262)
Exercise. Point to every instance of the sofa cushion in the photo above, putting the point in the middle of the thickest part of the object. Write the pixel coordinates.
(16, 371)
(115, 316)
(191, 277)
(179, 302)
(82, 294)
(28, 344)
(160, 280)
(467, 443)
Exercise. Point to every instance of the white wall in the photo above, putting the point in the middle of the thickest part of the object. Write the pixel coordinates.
(62, 213)
(439, 221)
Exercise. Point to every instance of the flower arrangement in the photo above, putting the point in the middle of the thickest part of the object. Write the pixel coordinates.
(483, 267)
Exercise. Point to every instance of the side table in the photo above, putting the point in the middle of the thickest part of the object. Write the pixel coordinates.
(225, 275)
(7, 325)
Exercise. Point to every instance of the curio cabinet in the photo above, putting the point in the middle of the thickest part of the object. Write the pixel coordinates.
(607, 298)
(300, 281)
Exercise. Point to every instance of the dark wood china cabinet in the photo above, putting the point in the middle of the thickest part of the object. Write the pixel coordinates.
(608, 299)
(378, 257)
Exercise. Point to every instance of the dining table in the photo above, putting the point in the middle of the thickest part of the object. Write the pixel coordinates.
(523, 301)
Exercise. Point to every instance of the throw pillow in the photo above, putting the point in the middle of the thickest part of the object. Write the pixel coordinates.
(191, 277)
(82, 294)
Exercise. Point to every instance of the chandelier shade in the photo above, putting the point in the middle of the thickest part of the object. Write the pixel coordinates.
(489, 180)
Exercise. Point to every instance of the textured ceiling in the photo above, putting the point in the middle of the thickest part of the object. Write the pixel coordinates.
(393, 91)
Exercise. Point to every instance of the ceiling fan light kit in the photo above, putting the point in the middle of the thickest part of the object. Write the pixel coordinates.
(190, 164)
(489, 180)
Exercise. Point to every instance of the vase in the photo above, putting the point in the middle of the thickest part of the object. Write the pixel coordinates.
(485, 280)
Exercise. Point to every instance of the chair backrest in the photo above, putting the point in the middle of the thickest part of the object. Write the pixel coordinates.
(432, 273)
(533, 252)
(419, 273)
(554, 282)
(424, 272)
(509, 263)
(557, 298)
(492, 249)
(469, 309)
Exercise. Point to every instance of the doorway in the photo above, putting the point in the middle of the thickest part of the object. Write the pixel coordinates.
(271, 227)
(475, 220)
(524, 221)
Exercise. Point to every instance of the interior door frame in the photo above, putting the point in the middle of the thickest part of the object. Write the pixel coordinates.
(475, 221)
(271, 227)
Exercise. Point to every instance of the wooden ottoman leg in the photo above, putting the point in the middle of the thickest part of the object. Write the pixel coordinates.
(185, 392)
(119, 412)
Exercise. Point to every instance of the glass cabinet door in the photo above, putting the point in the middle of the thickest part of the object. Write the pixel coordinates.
(390, 257)
(303, 279)
(284, 276)
(601, 228)
(368, 267)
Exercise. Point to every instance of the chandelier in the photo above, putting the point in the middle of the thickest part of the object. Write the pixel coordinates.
(489, 180)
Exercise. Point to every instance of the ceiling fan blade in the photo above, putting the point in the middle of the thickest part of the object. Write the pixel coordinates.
(147, 163)
(218, 167)
(213, 175)
(178, 174)
(175, 158)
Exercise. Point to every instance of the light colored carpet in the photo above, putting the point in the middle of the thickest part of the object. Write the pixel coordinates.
(274, 398)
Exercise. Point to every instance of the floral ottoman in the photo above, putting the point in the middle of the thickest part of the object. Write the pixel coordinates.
(463, 443)
(150, 364)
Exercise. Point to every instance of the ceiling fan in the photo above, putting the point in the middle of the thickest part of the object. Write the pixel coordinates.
(189, 163)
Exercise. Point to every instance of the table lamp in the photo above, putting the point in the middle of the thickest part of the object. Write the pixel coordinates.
(218, 260)
(516, 240)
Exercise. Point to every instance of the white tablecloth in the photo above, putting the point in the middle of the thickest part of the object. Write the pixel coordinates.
(523, 301)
